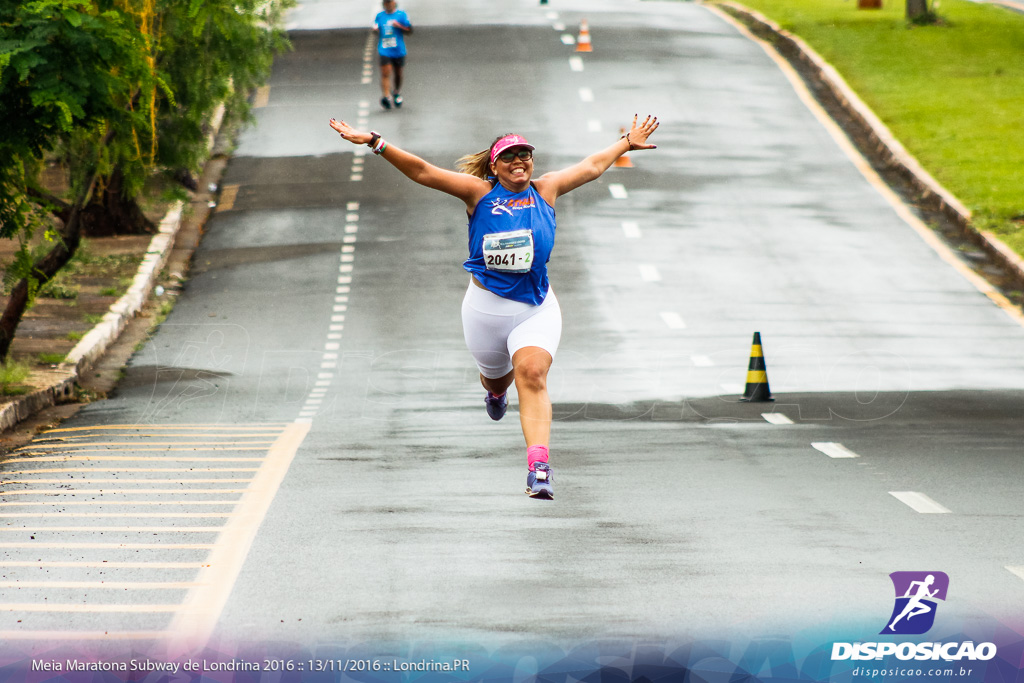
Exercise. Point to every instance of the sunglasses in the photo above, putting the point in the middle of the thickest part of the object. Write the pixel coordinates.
(523, 154)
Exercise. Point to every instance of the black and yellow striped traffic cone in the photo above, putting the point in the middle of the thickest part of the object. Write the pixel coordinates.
(757, 375)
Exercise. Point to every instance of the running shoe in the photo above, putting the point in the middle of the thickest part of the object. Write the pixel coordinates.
(398, 101)
(385, 102)
(538, 482)
(496, 405)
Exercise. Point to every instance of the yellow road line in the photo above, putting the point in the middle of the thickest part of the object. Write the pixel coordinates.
(45, 636)
(119, 502)
(76, 492)
(89, 480)
(52, 470)
(133, 515)
(853, 154)
(144, 435)
(147, 529)
(202, 607)
(199, 425)
(262, 97)
(94, 608)
(73, 446)
(114, 544)
(118, 585)
(103, 565)
(228, 195)
(125, 458)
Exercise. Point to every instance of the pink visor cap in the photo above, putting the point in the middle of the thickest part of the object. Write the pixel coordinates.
(509, 141)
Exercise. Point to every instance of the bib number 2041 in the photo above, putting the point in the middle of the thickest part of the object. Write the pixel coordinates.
(509, 252)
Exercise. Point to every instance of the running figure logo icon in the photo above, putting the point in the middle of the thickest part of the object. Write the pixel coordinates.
(916, 596)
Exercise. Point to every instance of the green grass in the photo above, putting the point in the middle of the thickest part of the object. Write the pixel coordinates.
(75, 336)
(52, 358)
(951, 93)
(12, 374)
(59, 288)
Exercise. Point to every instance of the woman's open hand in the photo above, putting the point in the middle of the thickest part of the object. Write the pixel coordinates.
(638, 134)
(349, 133)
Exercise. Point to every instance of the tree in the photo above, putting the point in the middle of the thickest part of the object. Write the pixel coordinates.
(114, 89)
(918, 12)
(69, 76)
(237, 41)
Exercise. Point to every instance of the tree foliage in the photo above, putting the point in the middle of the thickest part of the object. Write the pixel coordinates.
(112, 91)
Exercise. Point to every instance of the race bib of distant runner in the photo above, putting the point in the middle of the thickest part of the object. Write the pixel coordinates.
(389, 42)
(509, 252)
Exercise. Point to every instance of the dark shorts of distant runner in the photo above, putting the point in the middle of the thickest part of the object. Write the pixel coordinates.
(396, 61)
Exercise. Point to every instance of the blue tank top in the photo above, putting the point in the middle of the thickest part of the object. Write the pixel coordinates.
(508, 220)
(390, 40)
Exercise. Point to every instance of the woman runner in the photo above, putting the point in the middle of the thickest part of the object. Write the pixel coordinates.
(510, 316)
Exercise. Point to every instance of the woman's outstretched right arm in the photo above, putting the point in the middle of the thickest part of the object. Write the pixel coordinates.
(468, 188)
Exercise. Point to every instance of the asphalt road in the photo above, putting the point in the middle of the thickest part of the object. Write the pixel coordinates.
(301, 452)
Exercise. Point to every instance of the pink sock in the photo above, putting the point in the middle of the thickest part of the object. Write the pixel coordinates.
(535, 454)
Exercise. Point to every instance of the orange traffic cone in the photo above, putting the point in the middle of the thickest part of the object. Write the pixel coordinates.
(623, 161)
(583, 42)
(757, 375)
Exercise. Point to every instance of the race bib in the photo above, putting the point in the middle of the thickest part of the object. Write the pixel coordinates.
(509, 252)
(389, 42)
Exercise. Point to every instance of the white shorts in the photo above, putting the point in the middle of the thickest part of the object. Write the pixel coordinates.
(495, 328)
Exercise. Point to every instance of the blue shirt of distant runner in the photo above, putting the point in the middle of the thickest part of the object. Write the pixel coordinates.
(390, 40)
(502, 210)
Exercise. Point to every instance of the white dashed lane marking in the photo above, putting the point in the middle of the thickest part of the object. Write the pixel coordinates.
(834, 450)
(586, 95)
(673, 320)
(777, 418)
(618, 191)
(576, 64)
(649, 273)
(919, 502)
(631, 230)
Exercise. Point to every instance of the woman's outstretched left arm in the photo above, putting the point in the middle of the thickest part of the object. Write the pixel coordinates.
(568, 179)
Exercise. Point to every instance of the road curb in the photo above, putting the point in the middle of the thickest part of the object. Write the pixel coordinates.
(886, 146)
(96, 342)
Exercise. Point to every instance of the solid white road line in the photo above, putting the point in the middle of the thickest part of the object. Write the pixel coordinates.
(196, 617)
(834, 450)
(919, 502)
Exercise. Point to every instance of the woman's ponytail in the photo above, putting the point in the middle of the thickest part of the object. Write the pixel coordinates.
(478, 164)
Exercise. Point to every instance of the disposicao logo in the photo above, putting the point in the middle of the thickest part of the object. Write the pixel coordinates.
(917, 594)
(917, 598)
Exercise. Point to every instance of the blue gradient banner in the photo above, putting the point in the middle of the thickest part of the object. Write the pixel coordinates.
(802, 657)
